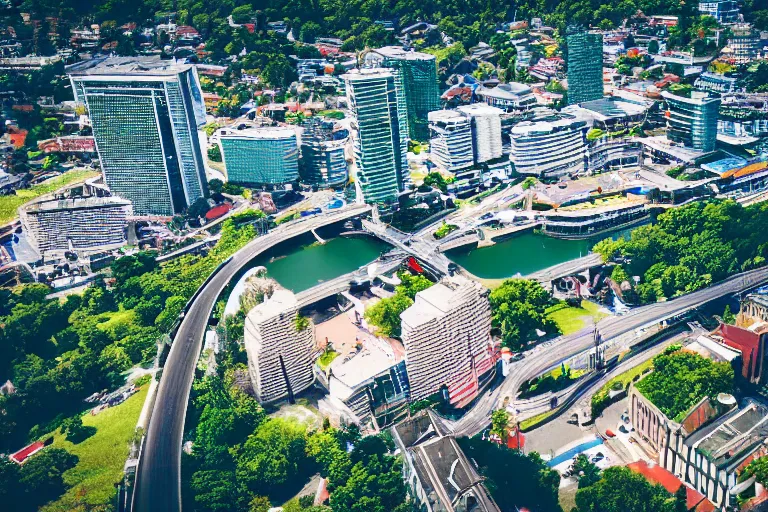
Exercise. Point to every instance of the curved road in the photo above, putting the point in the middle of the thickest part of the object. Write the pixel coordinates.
(552, 353)
(158, 482)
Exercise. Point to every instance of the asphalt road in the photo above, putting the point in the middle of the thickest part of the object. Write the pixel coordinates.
(158, 482)
(552, 353)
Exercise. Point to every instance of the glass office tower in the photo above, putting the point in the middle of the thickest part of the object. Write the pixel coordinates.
(418, 75)
(381, 143)
(692, 119)
(261, 156)
(145, 113)
(585, 66)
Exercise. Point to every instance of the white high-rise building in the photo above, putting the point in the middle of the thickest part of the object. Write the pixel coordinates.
(550, 148)
(486, 131)
(81, 224)
(447, 338)
(279, 354)
(451, 142)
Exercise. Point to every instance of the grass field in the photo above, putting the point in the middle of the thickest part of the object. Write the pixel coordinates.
(102, 456)
(572, 319)
(9, 204)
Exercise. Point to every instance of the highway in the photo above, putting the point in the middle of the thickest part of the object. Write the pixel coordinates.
(551, 353)
(158, 482)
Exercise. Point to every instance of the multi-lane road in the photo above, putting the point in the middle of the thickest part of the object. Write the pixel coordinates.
(552, 353)
(158, 483)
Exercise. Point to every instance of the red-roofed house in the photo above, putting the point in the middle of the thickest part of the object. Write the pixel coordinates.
(22, 455)
(656, 474)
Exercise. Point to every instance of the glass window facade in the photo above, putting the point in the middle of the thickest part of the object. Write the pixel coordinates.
(585, 66)
(261, 156)
(692, 120)
(145, 128)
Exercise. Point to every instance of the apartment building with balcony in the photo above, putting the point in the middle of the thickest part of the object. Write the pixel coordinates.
(451, 141)
(486, 131)
(79, 224)
(551, 146)
(447, 338)
(323, 161)
(279, 349)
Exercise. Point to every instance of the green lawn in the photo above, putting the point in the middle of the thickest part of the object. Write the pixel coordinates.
(573, 319)
(325, 360)
(102, 456)
(600, 398)
(9, 204)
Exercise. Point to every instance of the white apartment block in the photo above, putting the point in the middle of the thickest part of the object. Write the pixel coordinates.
(279, 355)
(486, 131)
(82, 224)
(549, 148)
(447, 338)
(451, 142)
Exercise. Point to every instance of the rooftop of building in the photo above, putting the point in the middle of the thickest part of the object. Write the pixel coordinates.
(398, 52)
(439, 300)
(74, 203)
(358, 74)
(731, 438)
(692, 97)
(544, 126)
(656, 474)
(264, 133)
(480, 109)
(605, 109)
(444, 470)
(128, 66)
(375, 357)
(280, 302)
(512, 90)
(446, 116)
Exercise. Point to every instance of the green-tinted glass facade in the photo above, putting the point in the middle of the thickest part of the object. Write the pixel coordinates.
(417, 73)
(585, 66)
(692, 120)
(145, 128)
(261, 156)
(381, 142)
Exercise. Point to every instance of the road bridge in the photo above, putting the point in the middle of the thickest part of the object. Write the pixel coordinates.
(158, 482)
(550, 354)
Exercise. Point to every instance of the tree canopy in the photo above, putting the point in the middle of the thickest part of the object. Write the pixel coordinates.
(519, 309)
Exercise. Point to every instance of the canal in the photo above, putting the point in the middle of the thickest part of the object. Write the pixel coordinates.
(301, 263)
(524, 254)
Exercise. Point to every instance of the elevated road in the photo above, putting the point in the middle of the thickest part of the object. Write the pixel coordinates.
(158, 483)
(550, 354)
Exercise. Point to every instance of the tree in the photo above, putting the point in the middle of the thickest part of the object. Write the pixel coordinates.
(514, 479)
(653, 47)
(385, 314)
(758, 468)
(198, 209)
(41, 476)
(259, 504)
(586, 471)
(216, 186)
(519, 308)
(681, 379)
(500, 423)
(309, 31)
(728, 317)
(621, 489)
(214, 153)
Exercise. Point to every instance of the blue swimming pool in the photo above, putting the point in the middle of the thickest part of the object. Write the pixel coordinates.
(569, 454)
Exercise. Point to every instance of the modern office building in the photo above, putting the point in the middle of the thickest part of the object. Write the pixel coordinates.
(447, 338)
(279, 354)
(715, 82)
(508, 97)
(486, 131)
(743, 44)
(145, 113)
(725, 11)
(418, 75)
(260, 156)
(79, 224)
(585, 65)
(323, 162)
(377, 102)
(550, 147)
(451, 141)
(692, 119)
